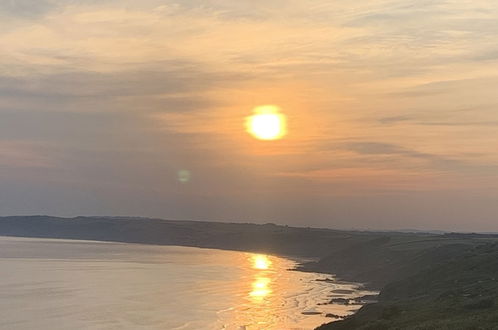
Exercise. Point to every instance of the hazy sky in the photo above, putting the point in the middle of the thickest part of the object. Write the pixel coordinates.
(392, 110)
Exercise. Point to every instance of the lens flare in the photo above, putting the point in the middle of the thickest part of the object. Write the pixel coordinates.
(267, 123)
(184, 176)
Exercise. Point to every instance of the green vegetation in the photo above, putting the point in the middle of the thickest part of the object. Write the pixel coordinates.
(453, 286)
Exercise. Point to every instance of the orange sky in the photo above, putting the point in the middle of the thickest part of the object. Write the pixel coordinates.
(391, 107)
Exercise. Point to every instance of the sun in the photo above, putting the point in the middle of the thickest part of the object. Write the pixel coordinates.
(267, 123)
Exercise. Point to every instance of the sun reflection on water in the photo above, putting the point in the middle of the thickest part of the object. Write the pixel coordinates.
(260, 288)
(262, 278)
(271, 297)
(261, 262)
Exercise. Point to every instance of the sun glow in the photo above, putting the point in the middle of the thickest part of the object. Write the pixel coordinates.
(261, 262)
(260, 287)
(267, 123)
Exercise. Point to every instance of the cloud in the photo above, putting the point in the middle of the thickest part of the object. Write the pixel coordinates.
(25, 8)
(21, 154)
(458, 164)
(111, 98)
(394, 119)
(176, 86)
(376, 148)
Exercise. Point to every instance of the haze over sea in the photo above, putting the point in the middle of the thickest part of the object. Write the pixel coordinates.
(61, 284)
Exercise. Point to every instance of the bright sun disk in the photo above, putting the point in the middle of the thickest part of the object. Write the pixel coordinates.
(267, 123)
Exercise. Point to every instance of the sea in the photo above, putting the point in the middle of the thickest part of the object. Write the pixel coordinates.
(71, 284)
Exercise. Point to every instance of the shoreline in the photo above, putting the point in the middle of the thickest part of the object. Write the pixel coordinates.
(338, 297)
(376, 260)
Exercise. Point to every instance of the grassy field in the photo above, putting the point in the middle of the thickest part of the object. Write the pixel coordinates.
(447, 286)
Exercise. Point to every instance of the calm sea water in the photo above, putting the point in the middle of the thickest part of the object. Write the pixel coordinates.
(62, 284)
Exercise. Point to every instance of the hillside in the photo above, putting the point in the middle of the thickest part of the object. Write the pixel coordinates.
(458, 291)
(267, 238)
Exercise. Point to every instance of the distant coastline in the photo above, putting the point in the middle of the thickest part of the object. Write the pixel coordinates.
(402, 265)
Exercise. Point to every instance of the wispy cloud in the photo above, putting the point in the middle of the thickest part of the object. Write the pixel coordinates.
(381, 95)
(22, 154)
(25, 8)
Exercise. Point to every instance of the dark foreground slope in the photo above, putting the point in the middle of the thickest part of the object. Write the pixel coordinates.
(460, 291)
(428, 281)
